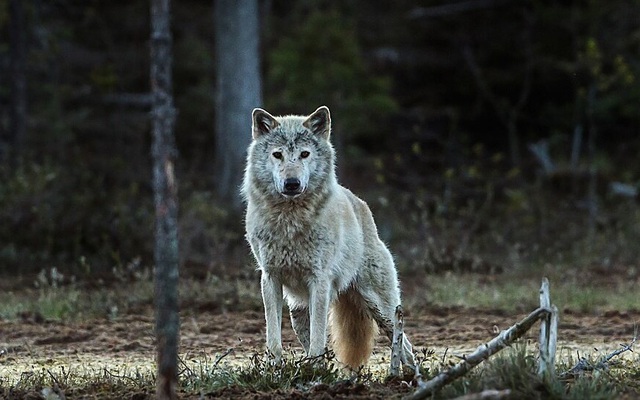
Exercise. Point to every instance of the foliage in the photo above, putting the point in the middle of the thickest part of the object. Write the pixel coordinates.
(416, 128)
(320, 62)
(210, 232)
(69, 216)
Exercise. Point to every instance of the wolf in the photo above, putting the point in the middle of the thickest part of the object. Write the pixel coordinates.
(315, 243)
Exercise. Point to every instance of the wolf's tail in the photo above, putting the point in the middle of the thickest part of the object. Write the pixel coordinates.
(353, 332)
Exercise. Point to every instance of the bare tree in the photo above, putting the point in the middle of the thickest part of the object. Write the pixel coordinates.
(238, 89)
(166, 202)
(509, 112)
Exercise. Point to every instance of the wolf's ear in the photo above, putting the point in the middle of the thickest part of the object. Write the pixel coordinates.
(319, 122)
(263, 122)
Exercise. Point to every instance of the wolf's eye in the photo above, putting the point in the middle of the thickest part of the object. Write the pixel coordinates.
(277, 154)
(304, 154)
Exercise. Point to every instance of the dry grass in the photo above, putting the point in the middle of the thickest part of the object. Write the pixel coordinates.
(298, 377)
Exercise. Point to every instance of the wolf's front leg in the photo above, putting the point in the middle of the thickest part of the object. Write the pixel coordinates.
(272, 299)
(319, 297)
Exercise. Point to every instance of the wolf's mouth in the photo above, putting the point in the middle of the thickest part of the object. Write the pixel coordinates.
(292, 193)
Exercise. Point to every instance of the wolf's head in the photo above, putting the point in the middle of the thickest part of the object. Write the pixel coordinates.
(290, 156)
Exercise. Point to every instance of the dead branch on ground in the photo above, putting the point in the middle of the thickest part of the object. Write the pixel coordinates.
(584, 365)
(548, 339)
(504, 339)
(548, 333)
(397, 344)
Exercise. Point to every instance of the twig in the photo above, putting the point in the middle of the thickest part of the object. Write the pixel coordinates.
(504, 339)
(135, 381)
(186, 367)
(53, 377)
(327, 355)
(223, 355)
(584, 365)
(396, 344)
(553, 336)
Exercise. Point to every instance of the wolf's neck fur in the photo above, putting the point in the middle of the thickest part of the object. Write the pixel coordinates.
(276, 209)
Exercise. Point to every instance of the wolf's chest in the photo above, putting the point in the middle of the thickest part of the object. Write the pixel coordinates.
(290, 254)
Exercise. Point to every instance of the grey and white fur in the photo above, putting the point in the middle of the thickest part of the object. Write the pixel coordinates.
(315, 242)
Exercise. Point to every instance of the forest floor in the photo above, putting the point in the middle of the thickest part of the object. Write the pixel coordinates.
(124, 345)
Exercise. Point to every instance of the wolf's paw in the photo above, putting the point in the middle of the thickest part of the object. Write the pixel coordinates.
(274, 357)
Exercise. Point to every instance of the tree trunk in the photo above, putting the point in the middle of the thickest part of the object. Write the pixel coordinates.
(18, 108)
(238, 90)
(166, 202)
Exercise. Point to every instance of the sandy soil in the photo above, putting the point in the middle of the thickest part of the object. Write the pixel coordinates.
(127, 344)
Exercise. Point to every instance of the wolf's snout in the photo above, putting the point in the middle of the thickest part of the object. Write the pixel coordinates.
(292, 186)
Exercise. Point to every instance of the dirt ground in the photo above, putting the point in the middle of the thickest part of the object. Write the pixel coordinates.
(127, 343)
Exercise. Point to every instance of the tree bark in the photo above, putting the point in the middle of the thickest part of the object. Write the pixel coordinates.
(166, 202)
(238, 91)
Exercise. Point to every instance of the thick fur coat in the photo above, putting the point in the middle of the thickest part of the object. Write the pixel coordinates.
(315, 242)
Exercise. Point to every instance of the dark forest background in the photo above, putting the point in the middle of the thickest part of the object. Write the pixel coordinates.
(487, 135)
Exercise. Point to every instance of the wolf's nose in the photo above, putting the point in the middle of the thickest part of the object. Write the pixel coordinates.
(292, 184)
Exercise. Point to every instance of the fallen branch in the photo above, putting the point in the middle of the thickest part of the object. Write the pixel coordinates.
(548, 333)
(504, 339)
(584, 365)
(396, 344)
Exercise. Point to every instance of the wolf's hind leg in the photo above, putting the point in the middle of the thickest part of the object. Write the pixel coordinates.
(386, 321)
(300, 323)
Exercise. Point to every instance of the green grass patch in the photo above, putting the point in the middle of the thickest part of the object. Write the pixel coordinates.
(71, 300)
(508, 292)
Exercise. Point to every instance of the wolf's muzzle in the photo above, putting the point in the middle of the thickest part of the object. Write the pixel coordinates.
(292, 187)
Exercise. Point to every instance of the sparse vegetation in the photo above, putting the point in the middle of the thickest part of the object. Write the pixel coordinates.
(297, 377)
(516, 292)
(55, 297)
(126, 291)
